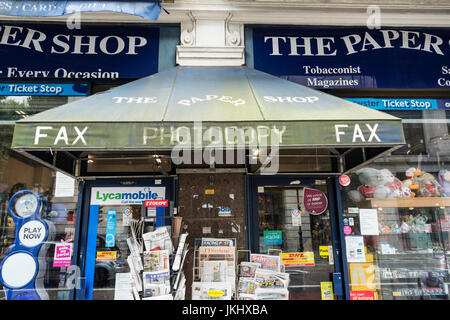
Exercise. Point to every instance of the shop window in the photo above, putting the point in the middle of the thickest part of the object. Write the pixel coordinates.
(19, 173)
(396, 230)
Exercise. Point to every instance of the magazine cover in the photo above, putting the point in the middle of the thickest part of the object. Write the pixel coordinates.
(247, 269)
(211, 291)
(267, 261)
(156, 261)
(158, 240)
(214, 271)
(268, 279)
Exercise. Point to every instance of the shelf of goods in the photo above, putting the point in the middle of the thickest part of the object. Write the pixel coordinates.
(419, 202)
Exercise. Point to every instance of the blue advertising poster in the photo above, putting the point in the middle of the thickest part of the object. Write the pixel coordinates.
(402, 104)
(44, 89)
(330, 57)
(111, 217)
(52, 51)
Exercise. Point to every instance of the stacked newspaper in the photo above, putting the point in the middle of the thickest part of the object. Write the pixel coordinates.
(261, 279)
(216, 276)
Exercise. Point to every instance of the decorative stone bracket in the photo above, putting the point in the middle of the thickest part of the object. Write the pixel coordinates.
(211, 39)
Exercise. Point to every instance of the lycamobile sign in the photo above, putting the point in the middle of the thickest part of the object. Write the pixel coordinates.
(134, 195)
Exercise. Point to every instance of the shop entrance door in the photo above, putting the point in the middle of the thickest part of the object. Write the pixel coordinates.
(305, 233)
(109, 207)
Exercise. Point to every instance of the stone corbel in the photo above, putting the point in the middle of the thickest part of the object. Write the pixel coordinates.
(187, 37)
(210, 39)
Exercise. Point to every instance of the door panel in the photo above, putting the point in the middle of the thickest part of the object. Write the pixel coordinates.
(284, 226)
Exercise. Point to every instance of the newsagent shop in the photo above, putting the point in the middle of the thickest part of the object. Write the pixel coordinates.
(317, 170)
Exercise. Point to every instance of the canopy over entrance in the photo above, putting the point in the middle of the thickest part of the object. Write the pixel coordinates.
(230, 107)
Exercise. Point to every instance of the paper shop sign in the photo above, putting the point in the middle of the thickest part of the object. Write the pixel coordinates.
(298, 259)
(355, 57)
(125, 195)
(106, 255)
(315, 201)
(52, 51)
(363, 295)
(63, 255)
(273, 237)
(156, 203)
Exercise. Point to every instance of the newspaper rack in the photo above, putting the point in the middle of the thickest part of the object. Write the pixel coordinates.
(176, 255)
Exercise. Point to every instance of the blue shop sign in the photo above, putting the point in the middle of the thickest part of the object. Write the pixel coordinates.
(41, 8)
(94, 52)
(43, 89)
(402, 104)
(330, 57)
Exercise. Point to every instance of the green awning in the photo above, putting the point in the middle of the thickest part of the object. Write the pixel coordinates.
(197, 107)
(158, 111)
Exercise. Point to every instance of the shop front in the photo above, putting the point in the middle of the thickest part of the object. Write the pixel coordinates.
(238, 154)
(394, 227)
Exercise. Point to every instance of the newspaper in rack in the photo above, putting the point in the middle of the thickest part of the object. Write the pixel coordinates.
(156, 283)
(267, 261)
(246, 286)
(247, 269)
(219, 254)
(215, 242)
(158, 239)
(268, 279)
(211, 291)
(214, 271)
(271, 294)
(156, 261)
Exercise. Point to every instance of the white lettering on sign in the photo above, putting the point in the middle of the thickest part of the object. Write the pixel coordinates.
(227, 99)
(72, 44)
(357, 135)
(32, 233)
(61, 135)
(291, 99)
(135, 99)
(355, 43)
